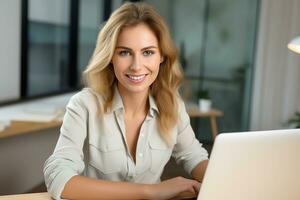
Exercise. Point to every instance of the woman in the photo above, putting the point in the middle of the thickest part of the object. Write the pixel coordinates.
(120, 131)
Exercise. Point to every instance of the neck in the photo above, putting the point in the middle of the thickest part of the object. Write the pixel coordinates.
(135, 104)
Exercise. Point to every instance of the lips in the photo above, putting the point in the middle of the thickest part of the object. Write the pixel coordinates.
(136, 78)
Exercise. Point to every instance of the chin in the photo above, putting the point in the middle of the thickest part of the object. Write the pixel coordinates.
(140, 90)
(137, 89)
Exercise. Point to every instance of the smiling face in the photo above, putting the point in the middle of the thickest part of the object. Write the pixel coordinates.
(136, 59)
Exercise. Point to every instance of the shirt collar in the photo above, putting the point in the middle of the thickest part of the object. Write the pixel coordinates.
(153, 106)
(117, 102)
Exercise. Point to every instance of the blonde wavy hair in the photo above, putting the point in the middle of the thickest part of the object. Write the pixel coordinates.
(100, 77)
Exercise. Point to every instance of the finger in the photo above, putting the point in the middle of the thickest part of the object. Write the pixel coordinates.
(192, 190)
(197, 187)
(185, 195)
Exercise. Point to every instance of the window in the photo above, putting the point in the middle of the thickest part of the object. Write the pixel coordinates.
(59, 37)
(48, 46)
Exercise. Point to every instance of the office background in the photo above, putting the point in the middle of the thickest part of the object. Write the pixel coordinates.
(58, 37)
(236, 49)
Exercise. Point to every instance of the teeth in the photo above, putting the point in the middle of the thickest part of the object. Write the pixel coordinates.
(136, 77)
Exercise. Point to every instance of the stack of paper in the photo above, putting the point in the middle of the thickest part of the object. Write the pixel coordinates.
(4, 124)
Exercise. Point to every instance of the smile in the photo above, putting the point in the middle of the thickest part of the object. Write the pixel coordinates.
(136, 78)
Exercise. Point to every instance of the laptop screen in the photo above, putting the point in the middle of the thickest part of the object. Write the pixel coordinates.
(263, 165)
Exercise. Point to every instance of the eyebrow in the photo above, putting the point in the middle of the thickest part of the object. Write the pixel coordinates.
(149, 47)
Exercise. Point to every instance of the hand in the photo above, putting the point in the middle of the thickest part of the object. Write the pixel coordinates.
(174, 187)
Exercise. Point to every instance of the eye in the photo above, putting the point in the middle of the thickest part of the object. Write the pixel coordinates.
(124, 53)
(148, 53)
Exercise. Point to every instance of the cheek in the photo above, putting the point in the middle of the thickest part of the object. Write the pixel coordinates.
(117, 70)
(119, 64)
(154, 64)
(155, 69)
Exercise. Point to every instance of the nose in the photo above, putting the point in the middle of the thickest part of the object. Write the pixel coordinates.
(136, 63)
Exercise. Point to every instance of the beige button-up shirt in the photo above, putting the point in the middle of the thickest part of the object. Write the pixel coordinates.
(96, 146)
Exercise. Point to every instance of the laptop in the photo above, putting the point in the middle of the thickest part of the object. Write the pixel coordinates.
(262, 165)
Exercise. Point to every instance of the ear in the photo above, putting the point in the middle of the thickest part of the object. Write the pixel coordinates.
(162, 59)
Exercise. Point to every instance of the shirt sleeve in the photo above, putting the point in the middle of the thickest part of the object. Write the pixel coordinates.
(67, 158)
(188, 151)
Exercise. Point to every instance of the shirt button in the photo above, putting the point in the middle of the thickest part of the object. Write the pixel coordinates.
(142, 135)
(140, 154)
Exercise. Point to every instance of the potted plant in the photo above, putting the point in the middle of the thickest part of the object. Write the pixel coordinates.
(204, 100)
(295, 120)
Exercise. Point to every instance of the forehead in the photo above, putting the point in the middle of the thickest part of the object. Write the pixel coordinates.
(138, 35)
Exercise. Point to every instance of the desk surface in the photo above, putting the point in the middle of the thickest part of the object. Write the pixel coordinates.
(46, 196)
(22, 127)
(32, 196)
(194, 111)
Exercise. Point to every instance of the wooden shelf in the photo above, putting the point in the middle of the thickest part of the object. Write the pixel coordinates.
(23, 127)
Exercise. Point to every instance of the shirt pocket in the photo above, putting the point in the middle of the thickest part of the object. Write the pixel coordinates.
(107, 154)
(160, 154)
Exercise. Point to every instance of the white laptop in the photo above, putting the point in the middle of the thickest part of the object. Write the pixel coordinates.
(263, 165)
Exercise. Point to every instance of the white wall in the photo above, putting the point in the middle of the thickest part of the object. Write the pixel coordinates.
(276, 94)
(10, 45)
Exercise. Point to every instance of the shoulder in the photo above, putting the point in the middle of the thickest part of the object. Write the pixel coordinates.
(180, 104)
(86, 98)
(183, 117)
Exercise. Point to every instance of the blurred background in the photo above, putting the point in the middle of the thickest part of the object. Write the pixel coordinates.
(235, 50)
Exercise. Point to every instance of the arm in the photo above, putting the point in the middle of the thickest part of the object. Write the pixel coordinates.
(79, 187)
(67, 158)
(199, 171)
(188, 151)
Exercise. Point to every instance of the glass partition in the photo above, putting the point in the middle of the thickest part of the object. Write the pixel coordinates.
(216, 39)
